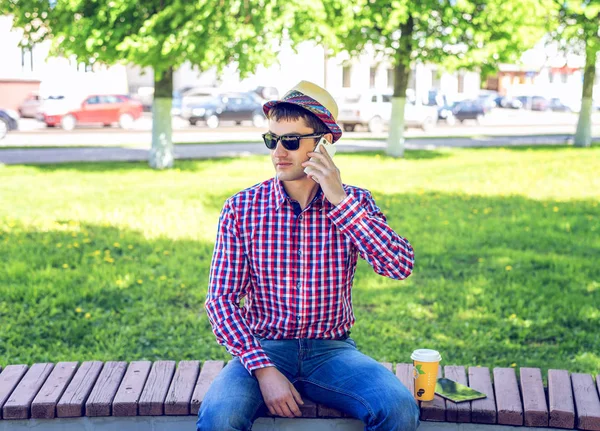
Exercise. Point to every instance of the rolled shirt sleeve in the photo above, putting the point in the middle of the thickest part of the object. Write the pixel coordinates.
(363, 222)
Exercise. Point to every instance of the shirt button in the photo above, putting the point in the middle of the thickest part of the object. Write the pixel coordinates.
(299, 252)
(298, 318)
(300, 217)
(299, 285)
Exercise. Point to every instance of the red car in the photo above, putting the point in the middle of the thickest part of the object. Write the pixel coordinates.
(99, 109)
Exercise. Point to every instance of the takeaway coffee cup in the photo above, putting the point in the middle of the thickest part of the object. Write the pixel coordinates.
(425, 366)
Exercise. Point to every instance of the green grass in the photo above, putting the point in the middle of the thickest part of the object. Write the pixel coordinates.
(507, 247)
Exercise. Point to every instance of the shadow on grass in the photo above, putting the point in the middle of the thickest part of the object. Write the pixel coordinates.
(183, 165)
(497, 281)
(558, 147)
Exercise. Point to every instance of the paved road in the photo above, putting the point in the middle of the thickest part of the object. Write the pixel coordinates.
(203, 151)
(499, 122)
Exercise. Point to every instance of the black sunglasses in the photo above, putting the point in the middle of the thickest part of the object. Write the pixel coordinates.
(289, 142)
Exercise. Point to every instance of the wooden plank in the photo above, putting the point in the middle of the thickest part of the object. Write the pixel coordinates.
(180, 393)
(18, 405)
(387, 365)
(309, 409)
(508, 399)
(587, 403)
(434, 410)
(405, 374)
(483, 411)
(44, 404)
(457, 412)
(128, 394)
(9, 379)
(152, 400)
(534, 397)
(100, 401)
(209, 371)
(560, 393)
(71, 403)
(324, 411)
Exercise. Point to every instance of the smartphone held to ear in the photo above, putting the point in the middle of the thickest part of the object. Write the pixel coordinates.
(330, 148)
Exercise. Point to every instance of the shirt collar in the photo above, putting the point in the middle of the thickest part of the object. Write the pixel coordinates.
(281, 195)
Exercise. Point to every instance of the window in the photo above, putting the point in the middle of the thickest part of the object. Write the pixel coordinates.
(387, 98)
(26, 59)
(390, 78)
(346, 76)
(94, 100)
(374, 98)
(372, 76)
(109, 99)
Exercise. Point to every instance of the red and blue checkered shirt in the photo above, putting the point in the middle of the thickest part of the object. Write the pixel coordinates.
(294, 267)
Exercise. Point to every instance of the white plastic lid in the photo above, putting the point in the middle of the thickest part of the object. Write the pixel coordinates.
(426, 355)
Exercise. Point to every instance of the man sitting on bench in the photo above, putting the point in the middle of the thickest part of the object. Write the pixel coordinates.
(289, 246)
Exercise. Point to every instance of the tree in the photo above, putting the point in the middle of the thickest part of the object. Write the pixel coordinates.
(579, 31)
(471, 34)
(163, 34)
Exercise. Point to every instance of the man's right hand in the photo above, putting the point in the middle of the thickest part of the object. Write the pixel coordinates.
(281, 397)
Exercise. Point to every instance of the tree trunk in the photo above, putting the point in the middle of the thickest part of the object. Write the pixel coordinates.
(583, 136)
(395, 144)
(161, 154)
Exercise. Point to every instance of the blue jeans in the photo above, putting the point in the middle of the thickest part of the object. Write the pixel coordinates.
(331, 372)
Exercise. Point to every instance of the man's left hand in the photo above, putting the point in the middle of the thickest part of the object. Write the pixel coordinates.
(326, 173)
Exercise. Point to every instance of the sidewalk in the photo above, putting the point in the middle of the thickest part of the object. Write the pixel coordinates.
(205, 151)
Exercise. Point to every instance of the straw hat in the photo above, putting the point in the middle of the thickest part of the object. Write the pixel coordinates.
(316, 100)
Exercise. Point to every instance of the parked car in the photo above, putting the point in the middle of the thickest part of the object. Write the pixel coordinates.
(443, 105)
(535, 103)
(30, 106)
(487, 99)
(469, 110)
(236, 107)
(373, 109)
(9, 120)
(508, 102)
(557, 105)
(98, 109)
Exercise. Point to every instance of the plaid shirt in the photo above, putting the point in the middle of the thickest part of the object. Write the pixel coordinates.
(294, 267)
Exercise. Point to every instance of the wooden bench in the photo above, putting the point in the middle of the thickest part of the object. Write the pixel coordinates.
(166, 396)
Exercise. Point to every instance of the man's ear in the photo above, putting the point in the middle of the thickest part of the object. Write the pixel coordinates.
(329, 137)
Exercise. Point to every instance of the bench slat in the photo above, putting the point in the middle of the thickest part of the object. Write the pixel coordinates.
(209, 371)
(152, 401)
(9, 379)
(126, 400)
(71, 403)
(100, 401)
(457, 412)
(560, 393)
(328, 412)
(587, 403)
(180, 393)
(405, 374)
(18, 405)
(483, 411)
(434, 410)
(508, 399)
(309, 409)
(387, 365)
(44, 404)
(534, 397)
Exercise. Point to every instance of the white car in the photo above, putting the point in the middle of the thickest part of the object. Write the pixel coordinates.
(374, 110)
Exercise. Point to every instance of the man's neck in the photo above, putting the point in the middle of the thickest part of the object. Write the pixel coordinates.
(302, 191)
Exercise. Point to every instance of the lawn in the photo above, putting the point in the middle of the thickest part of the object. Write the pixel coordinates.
(110, 261)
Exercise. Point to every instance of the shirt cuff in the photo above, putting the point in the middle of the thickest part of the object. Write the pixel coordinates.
(254, 359)
(346, 212)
